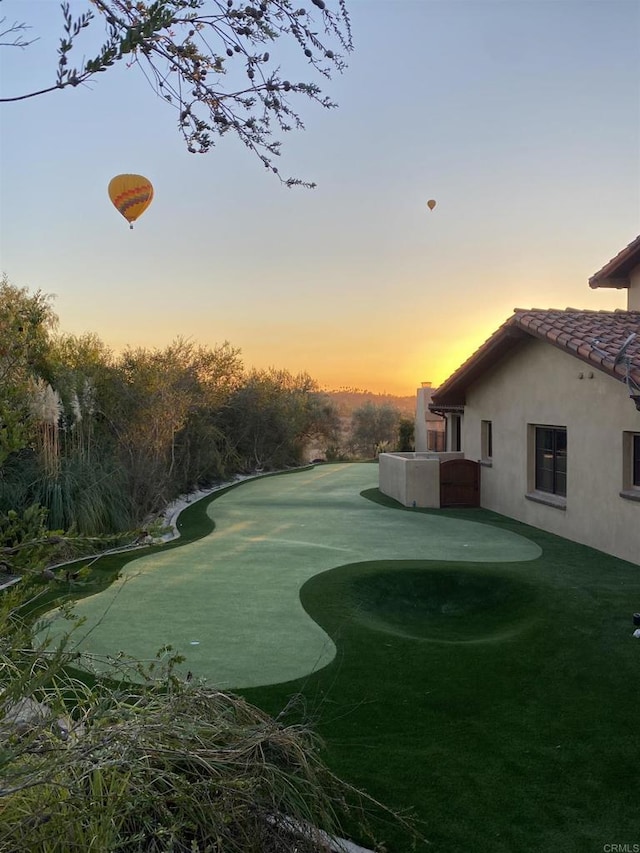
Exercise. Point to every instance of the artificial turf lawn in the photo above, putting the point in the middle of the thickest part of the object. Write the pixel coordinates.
(521, 741)
(509, 727)
(230, 602)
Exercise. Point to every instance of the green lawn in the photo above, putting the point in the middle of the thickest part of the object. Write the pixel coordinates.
(230, 602)
(508, 725)
(477, 671)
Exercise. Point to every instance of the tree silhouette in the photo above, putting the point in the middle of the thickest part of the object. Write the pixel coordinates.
(209, 60)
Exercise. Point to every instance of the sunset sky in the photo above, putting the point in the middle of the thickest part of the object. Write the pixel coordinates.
(520, 117)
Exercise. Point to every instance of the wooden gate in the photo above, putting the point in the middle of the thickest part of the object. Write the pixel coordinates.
(459, 483)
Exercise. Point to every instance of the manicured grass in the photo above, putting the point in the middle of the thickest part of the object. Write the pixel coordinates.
(498, 701)
(102, 570)
(229, 603)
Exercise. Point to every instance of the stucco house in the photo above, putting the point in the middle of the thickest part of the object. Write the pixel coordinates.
(549, 409)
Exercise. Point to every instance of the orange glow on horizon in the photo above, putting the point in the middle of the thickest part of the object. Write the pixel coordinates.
(393, 358)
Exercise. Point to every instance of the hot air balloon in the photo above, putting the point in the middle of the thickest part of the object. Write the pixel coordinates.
(431, 203)
(131, 195)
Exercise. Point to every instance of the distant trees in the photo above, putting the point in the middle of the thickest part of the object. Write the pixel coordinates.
(272, 417)
(374, 428)
(406, 435)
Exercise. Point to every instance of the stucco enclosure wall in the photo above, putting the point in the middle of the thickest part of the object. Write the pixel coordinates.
(539, 384)
(409, 477)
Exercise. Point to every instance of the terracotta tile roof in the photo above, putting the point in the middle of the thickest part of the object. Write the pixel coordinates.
(615, 273)
(595, 337)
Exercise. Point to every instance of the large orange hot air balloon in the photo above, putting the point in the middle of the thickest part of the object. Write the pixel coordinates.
(431, 203)
(131, 195)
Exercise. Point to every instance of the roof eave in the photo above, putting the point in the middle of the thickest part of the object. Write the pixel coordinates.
(619, 282)
(618, 269)
(444, 409)
(452, 393)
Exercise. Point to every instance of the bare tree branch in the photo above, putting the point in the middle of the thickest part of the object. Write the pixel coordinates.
(208, 60)
(16, 29)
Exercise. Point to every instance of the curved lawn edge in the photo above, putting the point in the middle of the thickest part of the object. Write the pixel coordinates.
(200, 602)
(175, 518)
(192, 523)
(533, 740)
(189, 522)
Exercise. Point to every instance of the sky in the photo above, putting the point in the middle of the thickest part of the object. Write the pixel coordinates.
(521, 118)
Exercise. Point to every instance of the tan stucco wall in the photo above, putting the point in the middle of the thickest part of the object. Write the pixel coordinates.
(540, 384)
(409, 477)
(633, 294)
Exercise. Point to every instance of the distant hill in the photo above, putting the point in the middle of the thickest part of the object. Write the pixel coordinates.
(347, 400)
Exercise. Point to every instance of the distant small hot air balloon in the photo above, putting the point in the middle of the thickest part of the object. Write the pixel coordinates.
(431, 203)
(131, 195)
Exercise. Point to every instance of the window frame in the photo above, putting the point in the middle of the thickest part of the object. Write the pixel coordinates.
(534, 492)
(550, 444)
(486, 441)
(630, 465)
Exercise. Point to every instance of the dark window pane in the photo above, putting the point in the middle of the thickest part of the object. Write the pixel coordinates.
(636, 460)
(456, 434)
(561, 462)
(544, 481)
(544, 439)
(551, 460)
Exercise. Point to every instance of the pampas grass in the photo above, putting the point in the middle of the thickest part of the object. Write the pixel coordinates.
(47, 409)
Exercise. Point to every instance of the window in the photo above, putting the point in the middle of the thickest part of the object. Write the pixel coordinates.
(486, 440)
(631, 465)
(551, 460)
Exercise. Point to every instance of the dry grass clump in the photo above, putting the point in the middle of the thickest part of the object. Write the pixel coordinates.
(185, 770)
